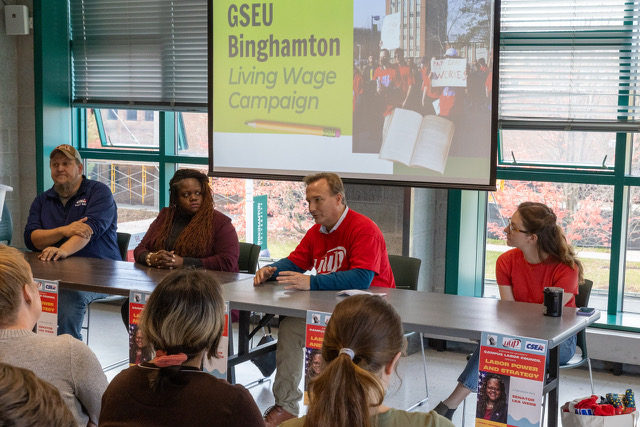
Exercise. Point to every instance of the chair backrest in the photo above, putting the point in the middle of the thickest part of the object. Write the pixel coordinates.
(584, 293)
(405, 271)
(123, 244)
(248, 261)
(6, 225)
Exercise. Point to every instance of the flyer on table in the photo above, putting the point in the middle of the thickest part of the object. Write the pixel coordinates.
(48, 321)
(510, 381)
(217, 366)
(139, 349)
(316, 325)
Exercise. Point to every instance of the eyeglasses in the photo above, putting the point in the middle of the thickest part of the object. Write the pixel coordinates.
(514, 228)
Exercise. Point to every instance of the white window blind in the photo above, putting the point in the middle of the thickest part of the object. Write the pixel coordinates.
(138, 53)
(569, 64)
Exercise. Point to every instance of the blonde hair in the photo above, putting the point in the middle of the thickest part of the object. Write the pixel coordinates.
(15, 273)
(26, 400)
(185, 313)
(345, 391)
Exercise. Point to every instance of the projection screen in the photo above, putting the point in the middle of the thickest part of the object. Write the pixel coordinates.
(389, 91)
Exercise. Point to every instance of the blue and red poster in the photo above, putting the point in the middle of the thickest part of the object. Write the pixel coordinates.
(510, 381)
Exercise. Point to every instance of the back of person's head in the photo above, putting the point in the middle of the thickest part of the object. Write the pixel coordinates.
(336, 186)
(539, 219)
(345, 391)
(26, 400)
(15, 273)
(185, 314)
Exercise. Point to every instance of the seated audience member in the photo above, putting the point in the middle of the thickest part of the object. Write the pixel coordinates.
(541, 257)
(183, 320)
(62, 360)
(26, 400)
(190, 232)
(362, 344)
(76, 217)
(492, 400)
(348, 251)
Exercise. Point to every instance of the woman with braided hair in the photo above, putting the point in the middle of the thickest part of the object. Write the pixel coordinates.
(190, 232)
(540, 257)
(361, 347)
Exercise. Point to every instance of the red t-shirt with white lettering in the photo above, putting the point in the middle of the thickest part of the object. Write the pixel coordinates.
(529, 280)
(356, 243)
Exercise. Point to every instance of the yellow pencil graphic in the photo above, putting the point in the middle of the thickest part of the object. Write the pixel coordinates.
(294, 128)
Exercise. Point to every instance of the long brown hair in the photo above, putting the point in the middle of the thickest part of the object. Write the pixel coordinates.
(26, 400)
(346, 390)
(195, 239)
(539, 219)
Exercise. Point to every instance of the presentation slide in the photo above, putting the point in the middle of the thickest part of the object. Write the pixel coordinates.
(370, 89)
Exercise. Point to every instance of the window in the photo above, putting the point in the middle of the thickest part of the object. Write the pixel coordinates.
(567, 116)
(153, 52)
(120, 129)
(584, 212)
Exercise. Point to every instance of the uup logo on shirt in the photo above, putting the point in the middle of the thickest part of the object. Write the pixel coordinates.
(331, 262)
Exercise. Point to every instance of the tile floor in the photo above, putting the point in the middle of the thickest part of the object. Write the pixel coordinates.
(108, 339)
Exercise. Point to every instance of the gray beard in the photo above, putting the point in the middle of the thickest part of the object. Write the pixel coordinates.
(67, 190)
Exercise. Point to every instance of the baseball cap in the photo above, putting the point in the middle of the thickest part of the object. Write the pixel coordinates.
(68, 151)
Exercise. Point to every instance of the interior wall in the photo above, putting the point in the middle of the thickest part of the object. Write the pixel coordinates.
(17, 128)
(427, 232)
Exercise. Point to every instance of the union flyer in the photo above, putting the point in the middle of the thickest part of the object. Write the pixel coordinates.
(316, 325)
(48, 321)
(217, 366)
(139, 349)
(510, 381)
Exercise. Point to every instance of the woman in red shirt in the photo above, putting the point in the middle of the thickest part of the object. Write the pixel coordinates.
(540, 257)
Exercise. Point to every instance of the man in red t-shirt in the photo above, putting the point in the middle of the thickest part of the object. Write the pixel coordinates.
(348, 251)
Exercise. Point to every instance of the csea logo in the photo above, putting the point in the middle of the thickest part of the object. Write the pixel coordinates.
(513, 343)
(81, 202)
(536, 347)
(50, 287)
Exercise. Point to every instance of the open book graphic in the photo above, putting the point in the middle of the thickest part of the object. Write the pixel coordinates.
(414, 140)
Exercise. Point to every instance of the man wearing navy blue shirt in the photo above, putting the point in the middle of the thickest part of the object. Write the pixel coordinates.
(77, 216)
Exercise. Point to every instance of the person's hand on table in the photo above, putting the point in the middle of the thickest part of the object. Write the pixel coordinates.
(295, 280)
(78, 228)
(263, 275)
(163, 259)
(52, 254)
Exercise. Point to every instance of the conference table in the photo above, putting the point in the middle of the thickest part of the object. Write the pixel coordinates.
(429, 313)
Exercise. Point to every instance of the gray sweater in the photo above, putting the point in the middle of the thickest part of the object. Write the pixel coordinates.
(63, 361)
